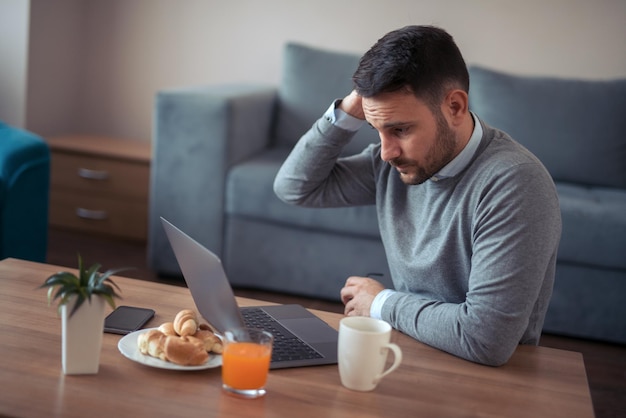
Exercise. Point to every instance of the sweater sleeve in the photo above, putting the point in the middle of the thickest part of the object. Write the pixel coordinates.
(314, 175)
(515, 233)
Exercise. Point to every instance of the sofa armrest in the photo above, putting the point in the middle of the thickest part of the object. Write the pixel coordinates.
(198, 134)
(24, 191)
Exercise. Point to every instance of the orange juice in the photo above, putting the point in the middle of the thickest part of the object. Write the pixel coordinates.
(245, 365)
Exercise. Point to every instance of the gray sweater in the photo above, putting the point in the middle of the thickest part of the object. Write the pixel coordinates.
(472, 257)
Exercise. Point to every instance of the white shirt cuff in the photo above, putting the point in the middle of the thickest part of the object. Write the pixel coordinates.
(377, 304)
(341, 119)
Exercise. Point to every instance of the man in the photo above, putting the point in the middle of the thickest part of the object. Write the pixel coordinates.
(469, 218)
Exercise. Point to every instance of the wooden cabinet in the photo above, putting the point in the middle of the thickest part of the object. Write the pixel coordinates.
(100, 185)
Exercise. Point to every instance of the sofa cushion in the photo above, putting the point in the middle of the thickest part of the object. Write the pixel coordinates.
(594, 226)
(249, 193)
(576, 128)
(312, 79)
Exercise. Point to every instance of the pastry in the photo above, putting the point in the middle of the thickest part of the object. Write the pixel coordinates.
(186, 322)
(183, 341)
(152, 343)
(210, 341)
(167, 328)
(185, 351)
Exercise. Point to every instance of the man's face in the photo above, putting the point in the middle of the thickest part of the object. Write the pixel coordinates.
(415, 141)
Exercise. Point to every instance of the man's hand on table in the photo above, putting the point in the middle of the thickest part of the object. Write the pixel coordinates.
(358, 293)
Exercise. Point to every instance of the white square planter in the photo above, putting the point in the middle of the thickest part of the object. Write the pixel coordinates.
(82, 336)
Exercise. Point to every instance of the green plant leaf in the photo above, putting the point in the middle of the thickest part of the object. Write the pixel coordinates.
(91, 275)
(79, 301)
(50, 292)
(60, 278)
(59, 294)
(110, 301)
(62, 286)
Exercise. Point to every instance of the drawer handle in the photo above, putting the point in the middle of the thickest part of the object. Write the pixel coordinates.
(87, 173)
(98, 215)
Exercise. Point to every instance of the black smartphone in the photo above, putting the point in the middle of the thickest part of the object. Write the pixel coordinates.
(126, 319)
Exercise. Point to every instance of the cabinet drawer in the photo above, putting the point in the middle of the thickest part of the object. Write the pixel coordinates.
(99, 176)
(120, 217)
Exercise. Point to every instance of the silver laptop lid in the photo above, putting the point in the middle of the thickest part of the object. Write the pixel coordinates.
(206, 279)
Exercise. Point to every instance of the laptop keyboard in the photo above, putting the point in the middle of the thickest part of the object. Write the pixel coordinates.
(286, 345)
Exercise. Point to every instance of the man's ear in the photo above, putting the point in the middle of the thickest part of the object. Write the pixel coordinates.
(455, 106)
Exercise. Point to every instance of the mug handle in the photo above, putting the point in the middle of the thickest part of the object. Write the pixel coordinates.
(397, 359)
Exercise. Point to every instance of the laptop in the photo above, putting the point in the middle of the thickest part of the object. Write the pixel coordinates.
(300, 338)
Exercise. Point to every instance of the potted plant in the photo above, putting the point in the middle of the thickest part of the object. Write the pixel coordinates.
(82, 323)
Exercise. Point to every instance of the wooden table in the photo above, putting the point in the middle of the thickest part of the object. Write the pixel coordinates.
(537, 381)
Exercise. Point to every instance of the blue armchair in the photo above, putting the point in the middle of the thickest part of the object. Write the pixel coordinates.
(24, 190)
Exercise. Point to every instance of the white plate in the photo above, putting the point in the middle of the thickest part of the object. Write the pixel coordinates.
(128, 347)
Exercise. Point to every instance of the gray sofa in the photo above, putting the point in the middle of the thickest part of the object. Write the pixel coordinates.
(217, 149)
(577, 129)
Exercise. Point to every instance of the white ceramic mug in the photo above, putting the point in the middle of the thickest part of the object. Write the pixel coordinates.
(362, 352)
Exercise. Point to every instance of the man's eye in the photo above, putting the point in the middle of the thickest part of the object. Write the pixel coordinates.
(400, 131)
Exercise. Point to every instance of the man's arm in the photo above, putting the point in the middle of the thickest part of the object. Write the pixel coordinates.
(512, 267)
(313, 174)
(513, 253)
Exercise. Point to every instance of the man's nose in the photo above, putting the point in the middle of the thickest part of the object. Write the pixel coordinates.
(389, 149)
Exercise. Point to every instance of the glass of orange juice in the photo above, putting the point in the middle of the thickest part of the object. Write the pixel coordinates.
(246, 361)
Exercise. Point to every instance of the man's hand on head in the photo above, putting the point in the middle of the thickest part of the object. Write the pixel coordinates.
(358, 294)
(352, 105)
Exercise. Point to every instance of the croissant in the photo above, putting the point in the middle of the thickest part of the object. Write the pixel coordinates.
(186, 322)
(182, 341)
(152, 343)
(167, 328)
(210, 341)
(142, 341)
(185, 351)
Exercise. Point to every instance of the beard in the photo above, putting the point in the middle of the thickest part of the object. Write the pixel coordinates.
(412, 173)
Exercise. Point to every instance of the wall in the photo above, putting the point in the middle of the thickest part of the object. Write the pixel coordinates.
(56, 76)
(14, 59)
(126, 50)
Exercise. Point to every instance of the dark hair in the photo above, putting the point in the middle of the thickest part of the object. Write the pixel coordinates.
(422, 59)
